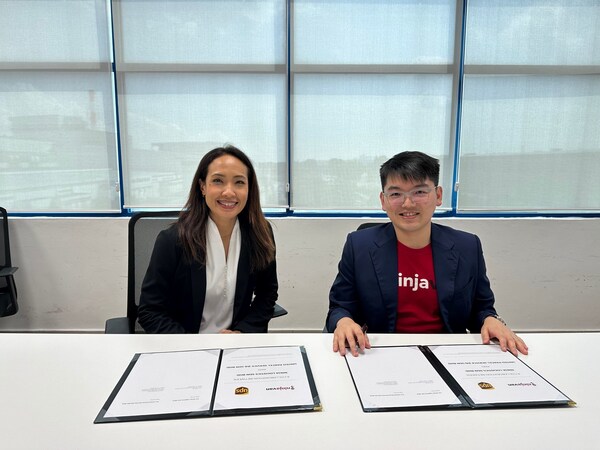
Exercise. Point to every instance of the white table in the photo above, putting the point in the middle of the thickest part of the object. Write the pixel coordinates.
(53, 385)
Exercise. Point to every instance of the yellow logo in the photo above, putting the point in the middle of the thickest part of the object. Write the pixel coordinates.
(484, 385)
(242, 390)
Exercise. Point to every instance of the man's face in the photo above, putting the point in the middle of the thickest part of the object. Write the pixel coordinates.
(410, 204)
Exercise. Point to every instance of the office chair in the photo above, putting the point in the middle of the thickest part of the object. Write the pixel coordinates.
(8, 289)
(143, 230)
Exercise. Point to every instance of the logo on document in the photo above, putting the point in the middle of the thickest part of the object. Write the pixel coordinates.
(242, 391)
(484, 385)
(280, 388)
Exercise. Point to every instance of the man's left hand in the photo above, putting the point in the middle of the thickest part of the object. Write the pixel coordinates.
(494, 329)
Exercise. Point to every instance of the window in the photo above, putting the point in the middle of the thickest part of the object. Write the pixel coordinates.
(319, 93)
(57, 127)
(194, 75)
(530, 140)
(370, 79)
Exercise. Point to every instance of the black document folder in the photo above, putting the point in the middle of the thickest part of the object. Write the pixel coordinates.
(205, 383)
(448, 377)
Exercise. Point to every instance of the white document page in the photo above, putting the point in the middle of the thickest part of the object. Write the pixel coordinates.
(489, 375)
(171, 382)
(393, 377)
(262, 377)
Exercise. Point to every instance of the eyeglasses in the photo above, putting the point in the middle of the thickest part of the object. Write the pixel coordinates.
(418, 195)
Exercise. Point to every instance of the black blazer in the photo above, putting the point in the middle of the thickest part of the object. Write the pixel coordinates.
(366, 287)
(173, 290)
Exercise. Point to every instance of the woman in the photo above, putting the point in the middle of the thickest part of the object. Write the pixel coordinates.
(206, 268)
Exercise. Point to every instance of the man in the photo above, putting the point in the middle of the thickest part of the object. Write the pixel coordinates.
(411, 275)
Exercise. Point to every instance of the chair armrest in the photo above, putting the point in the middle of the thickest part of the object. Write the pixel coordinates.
(117, 325)
(279, 311)
(6, 271)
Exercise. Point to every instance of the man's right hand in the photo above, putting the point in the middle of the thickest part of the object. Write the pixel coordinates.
(348, 331)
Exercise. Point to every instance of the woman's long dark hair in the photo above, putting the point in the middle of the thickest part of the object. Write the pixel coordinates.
(193, 219)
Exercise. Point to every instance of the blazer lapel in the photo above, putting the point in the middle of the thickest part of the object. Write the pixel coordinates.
(445, 266)
(198, 278)
(384, 255)
(243, 277)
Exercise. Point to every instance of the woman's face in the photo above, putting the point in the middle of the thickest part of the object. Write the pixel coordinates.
(225, 189)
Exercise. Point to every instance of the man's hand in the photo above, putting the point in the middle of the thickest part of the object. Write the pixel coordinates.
(348, 331)
(494, 329)
(226, 331)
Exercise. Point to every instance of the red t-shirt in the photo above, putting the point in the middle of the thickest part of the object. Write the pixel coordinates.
(418, 310)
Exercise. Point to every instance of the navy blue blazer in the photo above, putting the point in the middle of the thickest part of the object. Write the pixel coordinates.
(174, 290)
(366, 286)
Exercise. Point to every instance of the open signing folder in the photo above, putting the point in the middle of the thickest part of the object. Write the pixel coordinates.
(203, 383)
(448, 377)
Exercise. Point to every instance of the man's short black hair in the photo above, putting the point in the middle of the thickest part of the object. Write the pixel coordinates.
(410, 166)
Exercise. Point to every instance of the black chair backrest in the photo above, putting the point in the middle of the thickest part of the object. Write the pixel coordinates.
(143, 230)
(362, 226)
(4, 244)
(8, 289)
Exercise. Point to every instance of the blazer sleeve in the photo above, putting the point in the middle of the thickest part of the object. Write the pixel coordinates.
(483, 298)
(342, 296)
(155, 312)
(262, 295)
(262, 306)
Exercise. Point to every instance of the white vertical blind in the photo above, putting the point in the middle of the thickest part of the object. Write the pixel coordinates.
(195, 75)
(367, 79)
(530, 140)
(370, 79)
(57, 127)
(172, 119)
(373, 32)
(346, 125)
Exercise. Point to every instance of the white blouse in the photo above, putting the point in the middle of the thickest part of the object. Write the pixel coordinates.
(221, 276)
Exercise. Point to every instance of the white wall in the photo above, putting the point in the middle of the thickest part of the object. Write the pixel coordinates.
(73, 272)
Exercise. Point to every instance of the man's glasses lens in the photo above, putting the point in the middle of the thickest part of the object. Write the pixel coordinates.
(419, 195)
